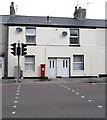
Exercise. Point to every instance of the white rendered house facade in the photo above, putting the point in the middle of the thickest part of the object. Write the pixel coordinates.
(67, 51)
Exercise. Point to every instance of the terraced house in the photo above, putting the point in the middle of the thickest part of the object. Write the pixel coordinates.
(64, 47)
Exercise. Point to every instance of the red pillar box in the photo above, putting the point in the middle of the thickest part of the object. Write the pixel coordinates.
(43, 70)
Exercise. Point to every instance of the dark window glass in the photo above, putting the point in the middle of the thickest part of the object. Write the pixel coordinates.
(30, 35)
(78, 62)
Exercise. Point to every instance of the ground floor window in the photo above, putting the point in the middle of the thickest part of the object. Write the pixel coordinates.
(78, 62)
(30, 63)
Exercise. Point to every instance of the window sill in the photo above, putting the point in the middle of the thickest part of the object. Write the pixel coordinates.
(31, 44)
(27, 71)
(74, 45)
(78, 70)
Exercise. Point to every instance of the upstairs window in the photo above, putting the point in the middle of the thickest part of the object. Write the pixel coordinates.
(78, 62)
(30, 35)
(74, 37)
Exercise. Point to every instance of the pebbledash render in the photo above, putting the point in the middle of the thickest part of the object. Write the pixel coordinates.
(68, 47)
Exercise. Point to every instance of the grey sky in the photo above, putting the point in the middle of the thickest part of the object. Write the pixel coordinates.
(58, 8)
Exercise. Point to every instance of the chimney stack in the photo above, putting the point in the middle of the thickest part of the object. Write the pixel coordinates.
(80, 13)
(12, 9)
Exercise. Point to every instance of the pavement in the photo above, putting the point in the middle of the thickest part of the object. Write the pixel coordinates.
(73, 80)
(87, 80)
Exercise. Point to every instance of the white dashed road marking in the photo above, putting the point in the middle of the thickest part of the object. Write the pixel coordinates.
(93, 83)
(15, 101)
(99, 106)
(13, 112)
(100, 83)
(14, 106)
(17, 93)
(73, 90)
(89, 100)
(17, 90)
(82, 96)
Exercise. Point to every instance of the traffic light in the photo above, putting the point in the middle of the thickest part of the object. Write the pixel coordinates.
(14, 49)
(18, 49)
(24, 49)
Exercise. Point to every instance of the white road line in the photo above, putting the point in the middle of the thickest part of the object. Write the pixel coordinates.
(100, 83)
(82, 96)
(17, 93)
(13, 112)
(14, 106)
(89, 100)
(19, 87)
(18, 90)
(73, 90)
(15, 101)
(99, 106)
(93, 83)
(16, 97)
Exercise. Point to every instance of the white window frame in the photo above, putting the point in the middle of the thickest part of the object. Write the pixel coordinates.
(82, 62)
(31, 35)
(30, 63)
(71, 37)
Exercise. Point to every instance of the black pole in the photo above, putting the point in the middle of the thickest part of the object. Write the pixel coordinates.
(18, 67)
(18, 53)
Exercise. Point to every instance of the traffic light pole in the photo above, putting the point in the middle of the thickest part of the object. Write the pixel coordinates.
(17, 51)
(18, 67)
(18, 60)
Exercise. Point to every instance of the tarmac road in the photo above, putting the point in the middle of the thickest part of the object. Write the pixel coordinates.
(58, 99)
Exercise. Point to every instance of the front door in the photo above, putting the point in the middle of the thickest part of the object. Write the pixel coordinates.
(65, 67)
(1, 67)
(51, 68)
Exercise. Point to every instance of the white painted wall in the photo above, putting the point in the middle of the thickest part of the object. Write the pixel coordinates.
(51, 43)
(101, 47)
